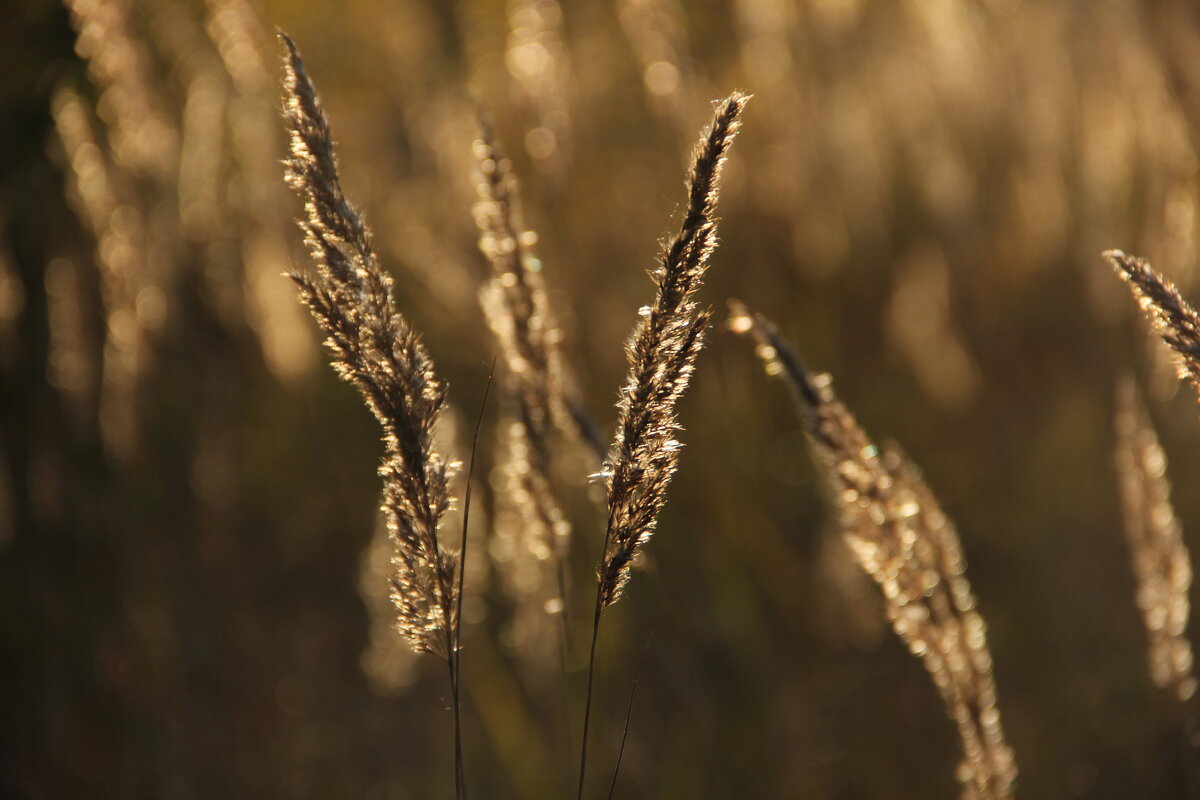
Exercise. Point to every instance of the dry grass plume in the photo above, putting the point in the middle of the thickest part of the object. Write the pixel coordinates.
(900, 536)
(375, 348)
(1172, 317)
(662, 354)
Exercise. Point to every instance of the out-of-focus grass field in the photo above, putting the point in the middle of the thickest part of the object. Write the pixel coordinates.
(919, 199)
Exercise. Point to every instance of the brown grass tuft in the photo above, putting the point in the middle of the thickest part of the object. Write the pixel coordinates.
(900, 536)
(662, 352)
(376, 349)
(1172, 317)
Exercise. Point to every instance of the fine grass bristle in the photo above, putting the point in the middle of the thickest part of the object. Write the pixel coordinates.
(1172, 317)
(900, 536)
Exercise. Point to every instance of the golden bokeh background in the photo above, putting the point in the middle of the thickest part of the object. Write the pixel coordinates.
(191, 574)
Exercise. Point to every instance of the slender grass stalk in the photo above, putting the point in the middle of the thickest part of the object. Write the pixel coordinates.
(373, 347)
(902, 538)
(587, 705)
(662, 354)
(1172, 317)
(462, 570)
(612, 787)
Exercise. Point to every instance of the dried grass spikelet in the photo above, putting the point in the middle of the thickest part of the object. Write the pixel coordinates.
(131, 137)
(900, 536)
(1172, 317)
(386, 659)
(533, 535)
(1160, 558)
(662, 353)
(376, 349)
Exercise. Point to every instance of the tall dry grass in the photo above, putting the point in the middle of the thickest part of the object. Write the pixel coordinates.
(1172, 317)
(662, 354)
(1162, 565)
(902, 538)
(374, 348)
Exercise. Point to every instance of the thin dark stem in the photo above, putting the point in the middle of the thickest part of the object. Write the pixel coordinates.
(612, 787)
(455, 660)
(452, 640)
(587, 706)
(462, 563)
(460, 791)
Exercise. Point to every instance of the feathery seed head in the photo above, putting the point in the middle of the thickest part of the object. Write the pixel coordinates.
(373, 347)
(902, 539)
(662, 351)
(1172, 317)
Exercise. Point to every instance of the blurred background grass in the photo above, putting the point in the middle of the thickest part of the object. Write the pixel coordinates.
(919, 198)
